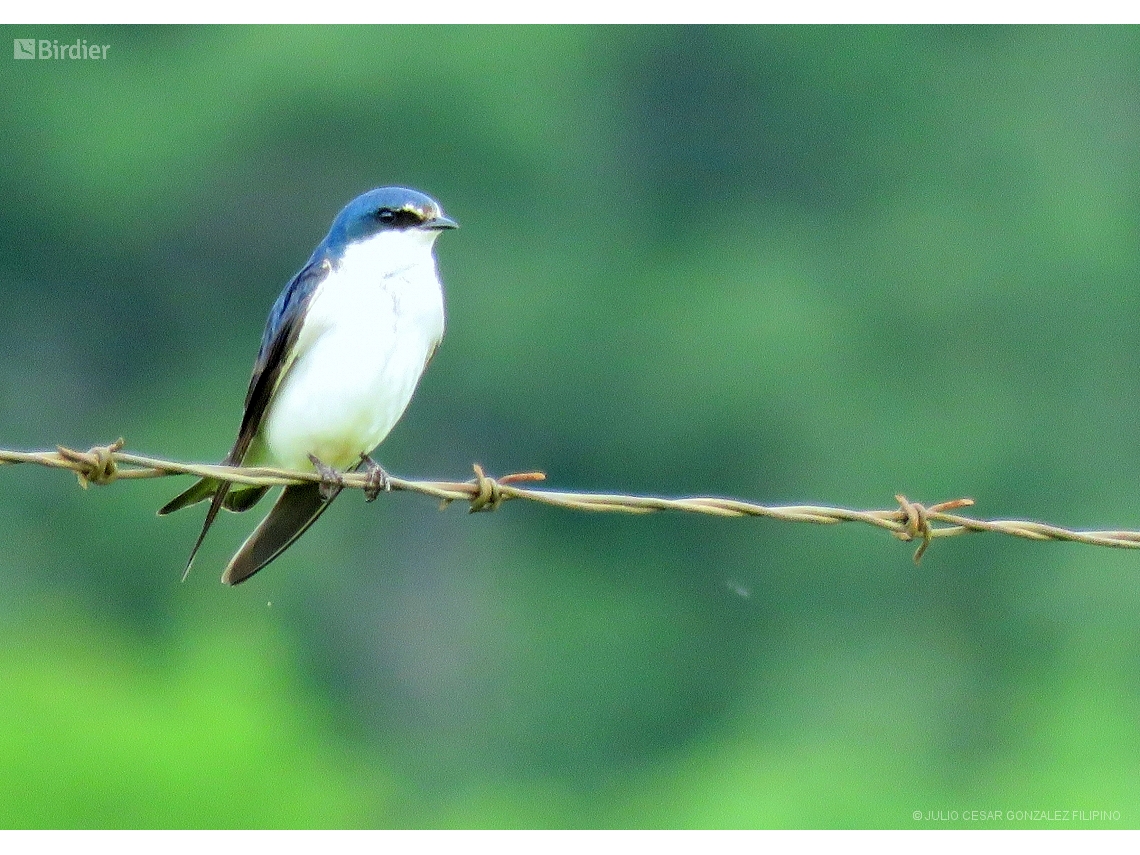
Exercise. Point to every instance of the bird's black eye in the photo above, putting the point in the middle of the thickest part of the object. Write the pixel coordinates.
(398, 218)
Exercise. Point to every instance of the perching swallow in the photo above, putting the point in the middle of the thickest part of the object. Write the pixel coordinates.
(342, 352)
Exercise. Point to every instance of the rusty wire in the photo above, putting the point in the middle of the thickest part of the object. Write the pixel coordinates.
(909, 521)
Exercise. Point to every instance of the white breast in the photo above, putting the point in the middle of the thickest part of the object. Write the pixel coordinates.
(370, 328)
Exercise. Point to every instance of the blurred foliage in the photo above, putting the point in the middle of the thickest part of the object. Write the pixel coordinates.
(788, 264)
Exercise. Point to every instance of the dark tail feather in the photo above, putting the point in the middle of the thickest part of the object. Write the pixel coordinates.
(295, 510)
(201, 491)
(211, 515)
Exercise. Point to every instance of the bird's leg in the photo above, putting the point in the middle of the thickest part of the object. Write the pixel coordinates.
(331, 480)
(378, 479)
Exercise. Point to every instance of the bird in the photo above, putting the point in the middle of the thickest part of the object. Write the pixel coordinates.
(343, 350)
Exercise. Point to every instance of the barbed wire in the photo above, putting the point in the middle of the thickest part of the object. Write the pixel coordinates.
(910, 521)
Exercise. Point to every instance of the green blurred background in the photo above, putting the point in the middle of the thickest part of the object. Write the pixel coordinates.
(819, 265)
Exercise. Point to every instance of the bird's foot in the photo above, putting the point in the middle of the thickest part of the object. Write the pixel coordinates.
(378, 479)
(331, 481)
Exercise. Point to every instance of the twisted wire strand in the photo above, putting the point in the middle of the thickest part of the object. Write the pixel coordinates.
(909, 521)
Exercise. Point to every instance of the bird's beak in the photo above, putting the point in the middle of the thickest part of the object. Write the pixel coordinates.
(440, 222)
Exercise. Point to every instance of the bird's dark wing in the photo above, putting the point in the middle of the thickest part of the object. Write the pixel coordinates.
(276, 354)
(236, 500)
(202, 490)
(273, 361)
(240, 501)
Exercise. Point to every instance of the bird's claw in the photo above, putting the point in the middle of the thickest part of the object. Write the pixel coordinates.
(331, 481)
(378, 480)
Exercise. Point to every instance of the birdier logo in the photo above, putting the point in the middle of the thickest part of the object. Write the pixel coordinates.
(52, 49)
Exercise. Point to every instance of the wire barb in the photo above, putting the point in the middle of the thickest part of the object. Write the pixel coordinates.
(490, 494)
(95, 466)
(917, 525)
(910, 521)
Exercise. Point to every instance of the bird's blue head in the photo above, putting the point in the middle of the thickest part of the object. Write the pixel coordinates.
(385, 209)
